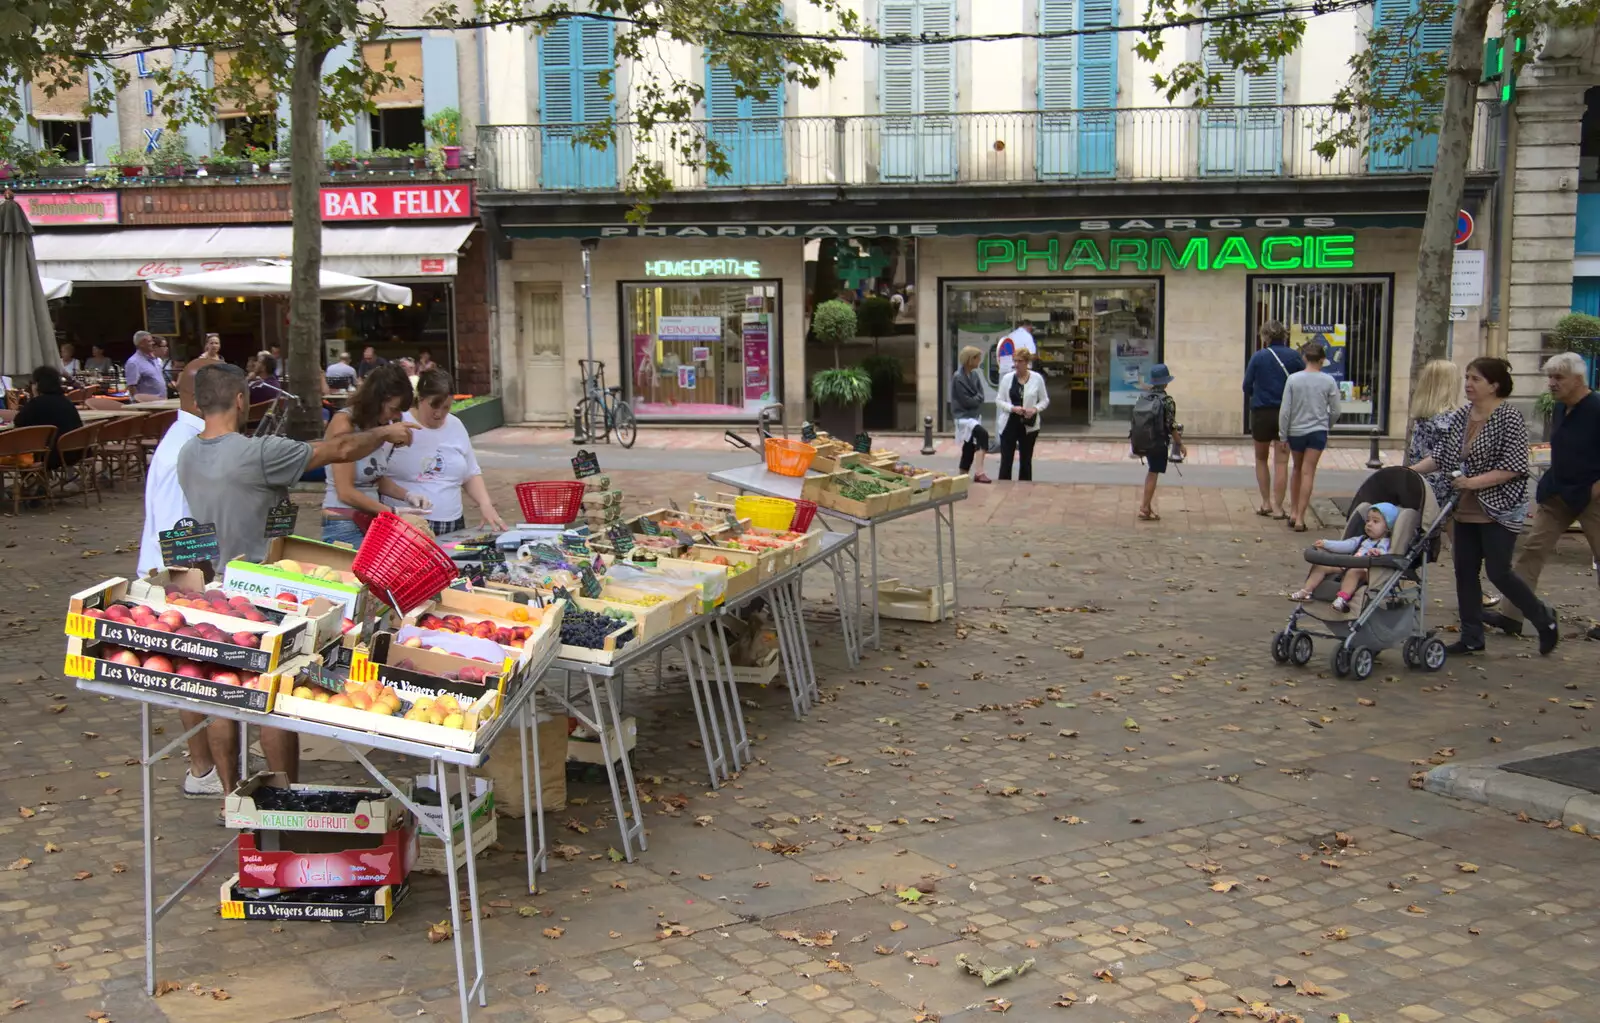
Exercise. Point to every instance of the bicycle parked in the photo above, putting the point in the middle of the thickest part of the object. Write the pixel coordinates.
(604, 410)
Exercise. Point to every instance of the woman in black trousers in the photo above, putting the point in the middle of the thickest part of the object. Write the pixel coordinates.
(1017, 406)
(966, 406)
(1482, 461)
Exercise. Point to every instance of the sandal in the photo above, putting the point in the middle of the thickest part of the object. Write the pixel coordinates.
(1301, 596)
(1149, 516)
(1280, 516)
(981, 478)
(1299, 527)
(1265, 513)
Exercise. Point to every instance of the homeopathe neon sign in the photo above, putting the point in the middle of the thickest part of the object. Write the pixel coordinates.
(702, 268)
(1274, 252)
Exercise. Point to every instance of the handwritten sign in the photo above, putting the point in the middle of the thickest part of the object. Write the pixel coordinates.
(650, 527)
(808, 433)
(574, 543)
(161, 317)
(683, 537)
(863, 443)
(588, 583)
(280, 520)
(735, 525)
(189, 542)
(621, 539)
(585, 463)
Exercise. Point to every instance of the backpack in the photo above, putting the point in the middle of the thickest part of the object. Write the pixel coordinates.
(1148, 432)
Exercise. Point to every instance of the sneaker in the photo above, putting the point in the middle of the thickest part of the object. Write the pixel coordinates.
(1341, 605)
(206, 786)
(1458, 649)
(1549, 634)
(1505, 623)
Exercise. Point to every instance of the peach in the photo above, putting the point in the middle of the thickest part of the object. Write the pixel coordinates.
(250, 639)
(156, 662)
(118, 611)
(127, 657)
(339, 700)
(227, 678)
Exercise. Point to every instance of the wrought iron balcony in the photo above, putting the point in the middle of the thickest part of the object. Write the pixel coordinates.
(1021, 147)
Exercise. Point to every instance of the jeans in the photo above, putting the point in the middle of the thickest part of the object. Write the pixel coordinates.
(979, 441)
(1016, 440)
(335, 530)
(1489, 544)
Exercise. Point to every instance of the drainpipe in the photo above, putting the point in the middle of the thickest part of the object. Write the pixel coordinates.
(492, 277)
(1499, 258)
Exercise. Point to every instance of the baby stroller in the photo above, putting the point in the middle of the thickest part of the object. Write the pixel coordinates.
(1396, 589)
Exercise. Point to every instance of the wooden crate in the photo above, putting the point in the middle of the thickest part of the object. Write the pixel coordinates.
(672, 612)
(912, 603)
(737, 583)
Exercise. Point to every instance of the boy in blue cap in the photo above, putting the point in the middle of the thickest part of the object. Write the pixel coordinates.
(1155, 435)
(1373, 541)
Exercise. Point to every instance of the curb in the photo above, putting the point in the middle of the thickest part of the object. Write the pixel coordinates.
(1483, 781)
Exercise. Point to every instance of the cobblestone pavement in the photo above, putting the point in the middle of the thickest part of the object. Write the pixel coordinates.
(1097, 769)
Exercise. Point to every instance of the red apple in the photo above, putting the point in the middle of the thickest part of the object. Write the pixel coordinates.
(227, 678)
(118, 612)
(190, 669)
(93, 612)
(155, 662)
(250, 639)
(174, 619)
(254, 616)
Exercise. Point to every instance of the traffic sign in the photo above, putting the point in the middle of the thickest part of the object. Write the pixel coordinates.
(1464, 226)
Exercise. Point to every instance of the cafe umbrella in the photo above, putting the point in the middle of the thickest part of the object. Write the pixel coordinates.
(27, 338)
(54, 289)
(271, 278)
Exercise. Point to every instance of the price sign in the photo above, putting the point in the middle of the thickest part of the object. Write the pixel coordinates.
(683, 537)
(650, 527)
(189, 542)
(621, 539)
(544, 554)
(673, 504)
(585, 463)
(863, 443)
(735, 525)
(574, 545)
(280, 520)
(588, 583)
(808, 433)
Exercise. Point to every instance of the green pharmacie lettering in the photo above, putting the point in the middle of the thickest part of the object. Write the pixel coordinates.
(1274, 252)
(702, 268)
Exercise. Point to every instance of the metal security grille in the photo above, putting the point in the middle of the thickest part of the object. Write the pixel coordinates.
(1351, 316)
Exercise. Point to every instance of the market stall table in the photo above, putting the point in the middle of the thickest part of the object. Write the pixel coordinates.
(756, 479)
(518, 708)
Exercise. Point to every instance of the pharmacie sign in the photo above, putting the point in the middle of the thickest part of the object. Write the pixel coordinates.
(1180, 252)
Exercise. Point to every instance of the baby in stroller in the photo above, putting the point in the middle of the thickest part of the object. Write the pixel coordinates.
(1373, 541)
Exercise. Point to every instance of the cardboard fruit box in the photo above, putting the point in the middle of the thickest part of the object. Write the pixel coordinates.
(86, 660)
(370, 906)
(667, 613)
(165, 586)
(616, 643)
(284, 588)
(430, 851)
(649, 622)
(735, 583)
(479, 712)
(479, 807)
(870, 508)
(587, 750)
(418, 671)
(495, 606)
(320, 859)
(377, 811)
(266, 647)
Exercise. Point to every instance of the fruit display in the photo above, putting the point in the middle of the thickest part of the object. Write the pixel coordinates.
(592, 630)
(187, 668)
(324, 572)
(316, 801)
(860, 490)
(638, 600)
(466, 674)
(513, 636)
(173, 621)
(217, 602)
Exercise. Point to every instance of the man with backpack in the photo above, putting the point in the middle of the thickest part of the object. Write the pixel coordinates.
(1155, 435)
(1264, 378)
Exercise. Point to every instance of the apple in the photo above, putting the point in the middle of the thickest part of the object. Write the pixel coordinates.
(174, 619)
(226, 678)
(156, 662)
(93, 612)
(250, 639)
(119, 612)
(191, 669)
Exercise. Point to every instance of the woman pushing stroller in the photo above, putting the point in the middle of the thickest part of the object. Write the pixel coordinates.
(1372, 542)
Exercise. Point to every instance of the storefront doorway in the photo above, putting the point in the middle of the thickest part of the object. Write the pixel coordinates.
(1096, 341)
(708, 349)
(1351, 318)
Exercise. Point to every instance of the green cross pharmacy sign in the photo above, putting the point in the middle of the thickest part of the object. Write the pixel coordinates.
(1153, 255)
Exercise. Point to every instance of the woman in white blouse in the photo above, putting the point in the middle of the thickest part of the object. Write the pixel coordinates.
(440, 463)
(1017, 404)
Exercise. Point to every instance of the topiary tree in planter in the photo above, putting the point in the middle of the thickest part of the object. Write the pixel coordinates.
(875, 318)
(833, 323)
(886, 373)
(838, 396)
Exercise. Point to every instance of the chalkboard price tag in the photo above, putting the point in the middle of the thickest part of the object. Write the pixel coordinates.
(863, 443)
(280, 520)
(588, 583)
(705, 538)
(808, 433)
(683, 537)
(189, 542)
(585, 463)
(650, 527)
(674, 504)
(544, 554)
(621, 539)
(735, 525)
(574, 545)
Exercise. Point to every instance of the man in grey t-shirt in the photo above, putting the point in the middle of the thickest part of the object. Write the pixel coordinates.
(232, 481)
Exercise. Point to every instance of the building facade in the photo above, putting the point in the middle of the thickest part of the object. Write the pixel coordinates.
(948, 202)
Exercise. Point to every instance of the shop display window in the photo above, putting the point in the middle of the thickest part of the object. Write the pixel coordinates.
(703, 349)
(1096, 341)
(395, 331)
(1349, 317)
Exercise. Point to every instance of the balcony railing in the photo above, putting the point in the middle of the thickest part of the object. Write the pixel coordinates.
(1023, 147)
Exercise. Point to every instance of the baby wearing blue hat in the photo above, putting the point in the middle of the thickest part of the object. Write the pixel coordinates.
(1372, 542)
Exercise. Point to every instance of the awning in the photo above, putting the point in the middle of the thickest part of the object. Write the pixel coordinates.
(142, 253)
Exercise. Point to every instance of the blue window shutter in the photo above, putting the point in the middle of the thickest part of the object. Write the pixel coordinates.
(557, 87)
(338, 57)
(596, 58)
(105, 128)
(1058, 90)
(1097, 90)
(441, 83)
(573, 54)
(916, 85)
(749, 130)
(197, 137)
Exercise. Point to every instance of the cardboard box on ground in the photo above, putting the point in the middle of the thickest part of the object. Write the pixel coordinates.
(504, 768)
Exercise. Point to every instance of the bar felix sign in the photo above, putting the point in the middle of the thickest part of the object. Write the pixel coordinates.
(397, 202)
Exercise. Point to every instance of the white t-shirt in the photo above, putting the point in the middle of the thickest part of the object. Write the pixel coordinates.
(436, 464)
(164, 503)
(1021, 338)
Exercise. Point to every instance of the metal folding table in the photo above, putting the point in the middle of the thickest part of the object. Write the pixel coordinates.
(755, 479)
(518, 708)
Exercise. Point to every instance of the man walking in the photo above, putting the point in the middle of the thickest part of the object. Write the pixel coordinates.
(144, 373)
(1264, 377)
(232, 481)
(1569, 491)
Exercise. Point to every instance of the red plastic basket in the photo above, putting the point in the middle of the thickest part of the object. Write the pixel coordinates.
(550, 502)
(804, 512)
(401, 564)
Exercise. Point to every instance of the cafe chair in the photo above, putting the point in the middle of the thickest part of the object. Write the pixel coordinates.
(152, 428)
(121, 448)
(76, 452)
(149, 397)
(103, 404)
(25, 463)
(256, 413)
(81, 394)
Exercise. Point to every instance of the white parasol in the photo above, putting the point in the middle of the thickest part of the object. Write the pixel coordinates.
(54, 289)
(272, 278)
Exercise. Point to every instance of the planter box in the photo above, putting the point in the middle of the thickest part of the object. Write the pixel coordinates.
(378, 812)
(482, 416)
(319, 859)
(376, 905)
(287, 591)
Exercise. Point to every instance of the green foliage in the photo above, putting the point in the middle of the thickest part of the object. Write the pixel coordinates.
(171, 153)
(119, 157)
(885, 370)
(1578, 332)
(341, 152)
(222, 163)
(833, 322)
(444, 127)
(875, 316)
(841, 387)
(1545, 404)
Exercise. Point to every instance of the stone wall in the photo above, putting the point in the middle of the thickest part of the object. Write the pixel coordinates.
(474, 352)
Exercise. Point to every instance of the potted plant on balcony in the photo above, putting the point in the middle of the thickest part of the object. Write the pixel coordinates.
(260, 158)
(383, 158)
(341, 155)
(839, 395)
(50, 164)
(170, 158)
(444, 129)
(224, 164)
(418, 155)
(129, 162)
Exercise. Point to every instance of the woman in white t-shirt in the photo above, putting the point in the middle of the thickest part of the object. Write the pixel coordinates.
(440, 463)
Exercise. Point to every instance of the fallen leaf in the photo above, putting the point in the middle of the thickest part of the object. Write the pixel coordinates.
(1198, 1003)
(441, 931)
(527, 911)
(898, 925)
(706, 877)
(908, 895)
(24, 812)
(1105, 976)
(839, 966)
(554, 933)
(83, 875)
(20, 863)
(1282, 981)
(1467, 868)
(1130, 724)
(1224, 886)
(883, 950)
(1065, 1000)
(119, 868)
(219, 995)
(762, 884)
(1416, 909)
(820, 939)
(614, 856)
(541, 989)
(1363, 701)
(1309, 990)
(672, 930)
(1337, 934)
(166, 987)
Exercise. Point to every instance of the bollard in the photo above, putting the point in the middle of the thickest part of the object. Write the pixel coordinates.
(927, 435)
(1374, 460)
(578, 436)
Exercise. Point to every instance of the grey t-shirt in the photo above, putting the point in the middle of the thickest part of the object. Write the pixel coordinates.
(233, 481)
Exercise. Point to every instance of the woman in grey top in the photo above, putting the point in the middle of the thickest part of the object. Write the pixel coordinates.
(966, 410)
(1309, 410)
